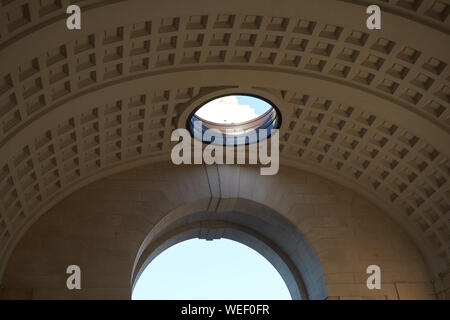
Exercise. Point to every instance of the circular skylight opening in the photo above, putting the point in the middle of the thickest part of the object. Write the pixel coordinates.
(234, 119)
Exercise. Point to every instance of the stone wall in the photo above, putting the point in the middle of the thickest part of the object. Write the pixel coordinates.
(102, 226)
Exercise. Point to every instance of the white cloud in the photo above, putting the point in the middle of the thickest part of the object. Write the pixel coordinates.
(226, 110)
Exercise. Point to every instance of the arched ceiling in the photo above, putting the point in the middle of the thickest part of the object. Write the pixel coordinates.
(369, 109)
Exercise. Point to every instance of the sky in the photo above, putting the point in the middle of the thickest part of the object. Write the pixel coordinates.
(210, 270)
(233, 109)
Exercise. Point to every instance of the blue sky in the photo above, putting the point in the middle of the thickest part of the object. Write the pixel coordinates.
(259, 105)
(210, 270)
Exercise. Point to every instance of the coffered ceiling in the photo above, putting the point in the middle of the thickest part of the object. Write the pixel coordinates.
(367, 108)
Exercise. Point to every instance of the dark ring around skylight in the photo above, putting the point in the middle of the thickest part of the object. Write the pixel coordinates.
(248, 131)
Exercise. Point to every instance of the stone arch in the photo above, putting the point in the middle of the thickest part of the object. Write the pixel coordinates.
(381, 127)
(104, 228)
(252, 224)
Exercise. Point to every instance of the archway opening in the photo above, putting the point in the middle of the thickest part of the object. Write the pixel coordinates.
(250, 223)
(210, 270)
